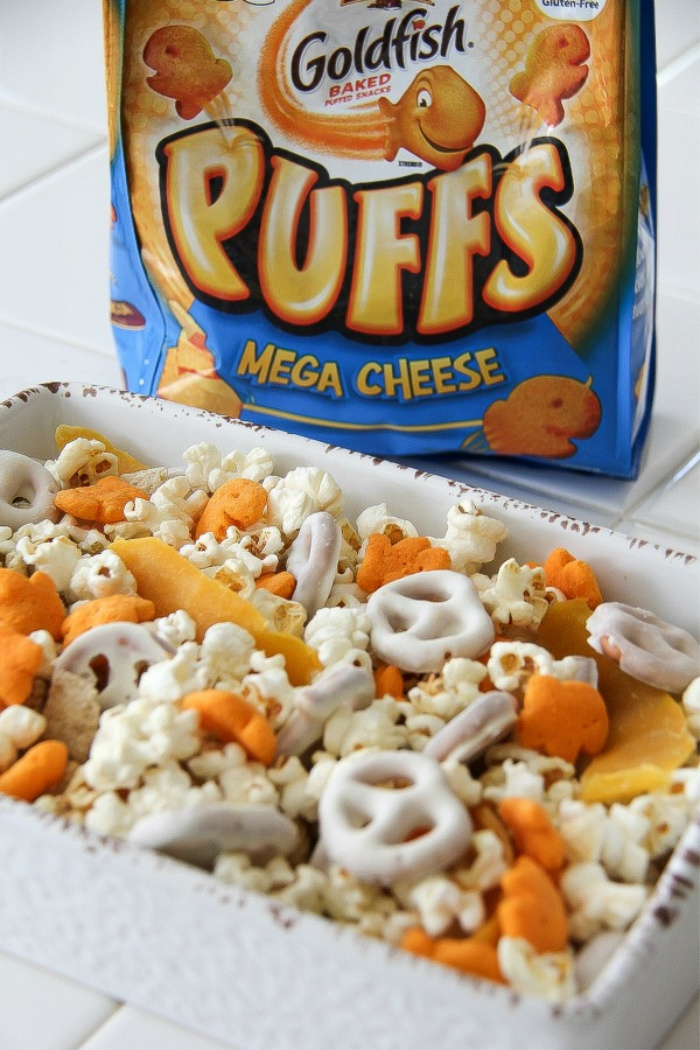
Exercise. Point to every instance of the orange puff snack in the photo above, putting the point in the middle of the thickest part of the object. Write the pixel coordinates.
(186, 68)
(554, 70)
(541, 417)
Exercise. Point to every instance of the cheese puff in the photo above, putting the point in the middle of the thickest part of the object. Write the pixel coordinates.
(39, 768)
(553, 71)
(388, 681)
(233, 718)
(540, 416)
(385, 562)
(30, 603)
(533, 832)
(562, 718)
(238, 502)
(20, 659)
(186, 68)
(471, 955)
(103, 502)
(532, 907)
(115, 608)
(280, 583)
(573, 577)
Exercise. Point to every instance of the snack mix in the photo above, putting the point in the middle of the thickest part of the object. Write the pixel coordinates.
(486, 766)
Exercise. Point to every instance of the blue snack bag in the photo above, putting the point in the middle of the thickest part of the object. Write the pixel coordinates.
(407, 228)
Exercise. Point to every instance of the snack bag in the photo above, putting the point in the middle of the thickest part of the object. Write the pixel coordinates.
(404, 227)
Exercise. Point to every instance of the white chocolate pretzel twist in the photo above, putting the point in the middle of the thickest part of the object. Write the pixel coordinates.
(645, 647)
(382, 833)
(420, 621)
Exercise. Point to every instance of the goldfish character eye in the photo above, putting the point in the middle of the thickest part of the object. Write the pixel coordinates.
(424, 99)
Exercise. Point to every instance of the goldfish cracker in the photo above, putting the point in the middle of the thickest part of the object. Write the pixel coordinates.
(232, 717)
(469, 954)
(555, 69)
(238, 502)
(385, 562)
(532, 907)
(573, 577)
(280, 583)
(102, 502)
(30, 604)
(562, 718)
(388, 679)
(407, 234)
(20, 659)
(36, 771)
(533, 832)
(113, 608)
(186, 68)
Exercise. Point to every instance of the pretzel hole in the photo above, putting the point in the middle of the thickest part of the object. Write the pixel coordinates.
(355, 817)
(24, 498)
(99, 665)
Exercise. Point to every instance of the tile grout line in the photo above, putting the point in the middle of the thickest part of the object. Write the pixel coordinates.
(20, 105)
(72, 343)
(27, 187)
(663, 485)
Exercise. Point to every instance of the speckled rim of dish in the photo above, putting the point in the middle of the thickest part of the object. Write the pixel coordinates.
(84, 886)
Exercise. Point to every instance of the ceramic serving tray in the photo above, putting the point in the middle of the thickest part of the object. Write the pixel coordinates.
(238, 966)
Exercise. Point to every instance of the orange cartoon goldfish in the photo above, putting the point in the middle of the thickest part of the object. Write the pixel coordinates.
(438, 118)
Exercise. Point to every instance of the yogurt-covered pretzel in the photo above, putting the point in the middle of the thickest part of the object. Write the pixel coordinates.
(382, 833)
(467, 735)
(313, 560)
(198, 834)
(315, 703)
(420, 621)
(27, 490)
(114, 655)
(645, 647)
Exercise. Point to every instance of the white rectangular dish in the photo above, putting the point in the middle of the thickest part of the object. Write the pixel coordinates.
(239, 966)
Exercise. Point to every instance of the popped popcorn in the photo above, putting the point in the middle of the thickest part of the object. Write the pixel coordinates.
(160, 753)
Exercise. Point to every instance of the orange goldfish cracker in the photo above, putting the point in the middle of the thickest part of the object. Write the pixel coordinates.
(186, 68)
(238, 502)
(554, 71)
(38, 769)
(385, 562)
(388, 680)
(562, 718)
(234, 719)
(532, 907)
(115, 608)
(30, 603)
(280, 583)
(533, 832)
(540, 417)
(573, 577)
(103, 502)
(476, 957)
(20, 659)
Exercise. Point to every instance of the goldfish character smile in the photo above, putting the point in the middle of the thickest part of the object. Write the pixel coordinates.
(438, 118)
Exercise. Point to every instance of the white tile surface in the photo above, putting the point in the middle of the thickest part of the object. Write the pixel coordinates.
(55, 277)
(139, 1030)
(51, 58)
(38, 1009)
(54, 323)
(34, 145)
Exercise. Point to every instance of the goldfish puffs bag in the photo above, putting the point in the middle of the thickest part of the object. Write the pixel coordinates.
(404, 226)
